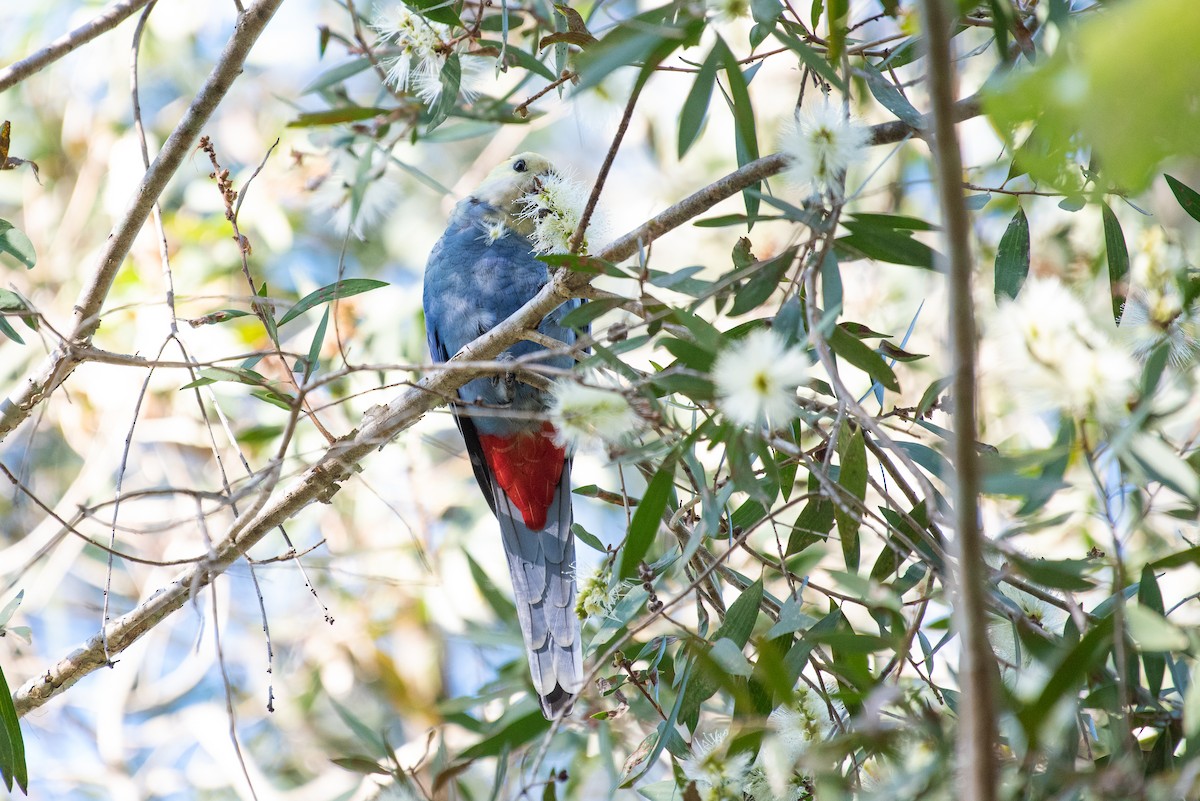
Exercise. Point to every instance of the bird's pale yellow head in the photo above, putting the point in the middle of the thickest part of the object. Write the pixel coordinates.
(509, 181)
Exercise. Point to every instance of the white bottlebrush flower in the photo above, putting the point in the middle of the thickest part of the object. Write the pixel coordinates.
(728, 10)
(760, 788)
(422, 47)
(791, 729)
(756, 379)
(821, 143)
(473, 71)
(1055, 358)
(555, 207)
(1154, 312)
(419, 41)
(594, 408)
(596, 597)
(1152, 318)
(356, 196)
(718, 776)
(799, 723)
(1038, 612)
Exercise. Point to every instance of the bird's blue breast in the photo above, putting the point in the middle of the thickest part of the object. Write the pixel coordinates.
(473, 281)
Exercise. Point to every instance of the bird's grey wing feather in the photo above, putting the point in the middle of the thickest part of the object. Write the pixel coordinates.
(542, 564)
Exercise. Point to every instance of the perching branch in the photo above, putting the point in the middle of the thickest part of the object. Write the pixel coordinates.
(113, 16)
(59, 364)
(977, 774)
(322, 480)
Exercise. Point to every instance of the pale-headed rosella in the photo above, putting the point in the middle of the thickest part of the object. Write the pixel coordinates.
(481, 271)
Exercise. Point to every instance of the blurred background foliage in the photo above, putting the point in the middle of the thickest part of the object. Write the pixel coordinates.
(806, 648)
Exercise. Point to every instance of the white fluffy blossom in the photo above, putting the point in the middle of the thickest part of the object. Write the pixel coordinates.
(591, 409)
(1003, 637)
(821, 143)
(356, 196)
(728, 10)
(756, 379)
(1154, 311)
(791, 729)
(597, 597)
(555, 206)
(1055, 358)
(423, 47)
(718, 775)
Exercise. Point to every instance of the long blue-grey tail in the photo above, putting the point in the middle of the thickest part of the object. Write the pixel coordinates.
(542, 564)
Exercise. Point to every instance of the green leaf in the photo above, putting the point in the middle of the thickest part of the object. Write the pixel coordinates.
(498, 601)
(1058, 574)
(521, 58)
(1161, 463)
(342, 289)
(16, 244)
(447, 100)
(889, 244)
(646, 519)
(852, 477)
(1074, 665)
(1189, 199)
(314, 348)
(897, 222)
(437, 10)
(1118, 258)
(1012, 257)
(745, 132)
(862, 357)
(695, 107)
(12, 744)
(588, 538)
(10, 608)
(811, 59)
(335, 116)
(689, 353)
(647, 38)
(812, 525)
(977, 202)
(240, 375)
(583, 315)
(890, 97)
(10, 332)
(510, 735)
(360, 764)
(1152, 632)
(762, 283)
(1191, 710)
(741, 616)
(364, 733)
(730, 658)
(336, 75)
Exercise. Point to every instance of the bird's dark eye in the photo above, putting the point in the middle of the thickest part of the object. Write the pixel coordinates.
(520, 166)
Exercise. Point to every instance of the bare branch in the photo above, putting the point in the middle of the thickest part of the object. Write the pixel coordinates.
(977, 732)
(59, 364)
(113, 16)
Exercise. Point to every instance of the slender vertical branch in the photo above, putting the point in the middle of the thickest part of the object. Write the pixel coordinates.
(977, 732)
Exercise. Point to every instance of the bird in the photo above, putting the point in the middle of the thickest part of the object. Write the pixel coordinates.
(482, 270)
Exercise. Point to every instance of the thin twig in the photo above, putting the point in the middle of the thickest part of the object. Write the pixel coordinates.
(602, 176)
